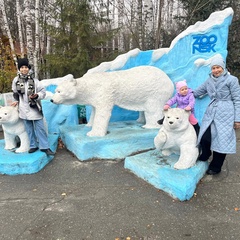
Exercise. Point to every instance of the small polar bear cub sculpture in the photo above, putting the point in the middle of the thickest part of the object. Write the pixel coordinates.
(143, 88)
(12, 127)
(178, 136)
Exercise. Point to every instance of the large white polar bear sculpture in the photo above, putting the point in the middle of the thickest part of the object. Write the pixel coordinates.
(178, 136)
(13, 127)
(143, 88)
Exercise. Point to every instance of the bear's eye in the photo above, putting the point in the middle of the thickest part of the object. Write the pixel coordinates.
(168, 117)
(177, 117)
(5, 113)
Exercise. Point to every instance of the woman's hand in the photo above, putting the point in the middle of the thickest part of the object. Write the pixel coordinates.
(236, 125)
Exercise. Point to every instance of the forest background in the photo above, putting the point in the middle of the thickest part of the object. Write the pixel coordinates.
(61, 37)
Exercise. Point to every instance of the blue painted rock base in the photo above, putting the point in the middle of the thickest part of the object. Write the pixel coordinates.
(123, 139)
(12, 163)
(158, 171)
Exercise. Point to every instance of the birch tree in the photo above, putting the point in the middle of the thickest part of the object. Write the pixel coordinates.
(46, 37)
(113, 23)
(140, 23)
(19, 24)
(6, 29)
(148, 24)
(134, 24)
(37, 45)
(159, 24)
(29, 32)
(120, 25)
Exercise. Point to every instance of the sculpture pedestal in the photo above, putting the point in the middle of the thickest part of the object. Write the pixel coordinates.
(123, 139)
(12, 163)
(159, 171)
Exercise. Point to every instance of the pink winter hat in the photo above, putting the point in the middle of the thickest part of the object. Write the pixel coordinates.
(181, 84)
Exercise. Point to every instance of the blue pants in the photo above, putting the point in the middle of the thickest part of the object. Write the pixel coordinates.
(37, 133)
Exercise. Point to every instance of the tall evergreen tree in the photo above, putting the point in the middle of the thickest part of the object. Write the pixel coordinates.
(233, 60)
(7, 66)
(77, 41)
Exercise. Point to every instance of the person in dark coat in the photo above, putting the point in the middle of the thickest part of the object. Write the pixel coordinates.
(217, 135)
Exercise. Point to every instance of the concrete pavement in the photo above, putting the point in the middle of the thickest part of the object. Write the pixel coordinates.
(73, 200)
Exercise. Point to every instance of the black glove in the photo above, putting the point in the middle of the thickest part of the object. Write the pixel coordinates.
(16, 96)
(33, 96)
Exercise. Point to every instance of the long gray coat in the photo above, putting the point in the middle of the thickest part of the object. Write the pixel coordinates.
(222, 111)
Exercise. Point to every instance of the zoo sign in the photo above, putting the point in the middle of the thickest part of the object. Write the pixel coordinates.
(204, 43)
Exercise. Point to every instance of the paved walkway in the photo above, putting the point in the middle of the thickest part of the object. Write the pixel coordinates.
(73, 200)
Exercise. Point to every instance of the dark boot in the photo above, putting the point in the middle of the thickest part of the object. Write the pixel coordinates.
(32, 150)
(215, 166)
(196, 128)
(48, 151)
(205, 146)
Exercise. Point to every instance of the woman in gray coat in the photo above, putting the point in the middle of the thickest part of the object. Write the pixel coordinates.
(217, 132)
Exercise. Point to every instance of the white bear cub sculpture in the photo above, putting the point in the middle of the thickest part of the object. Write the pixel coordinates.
(178, 136)
(13, 126)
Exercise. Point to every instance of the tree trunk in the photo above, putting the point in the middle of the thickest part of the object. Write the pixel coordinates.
(134, 24)
(29, 36)
(140, 24)
(148, 24)
(114, 21)
(36, 51)
(20, 36)
(158, 34)
(7, 29)
(120, 25)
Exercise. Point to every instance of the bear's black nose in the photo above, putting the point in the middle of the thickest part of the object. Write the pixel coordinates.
(51, 100)
(171, 122)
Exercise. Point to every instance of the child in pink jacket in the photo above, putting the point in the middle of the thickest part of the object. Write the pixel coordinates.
(184, 99)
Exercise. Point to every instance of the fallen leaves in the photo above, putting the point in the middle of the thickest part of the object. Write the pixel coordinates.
(127, 238)
(60, 144)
